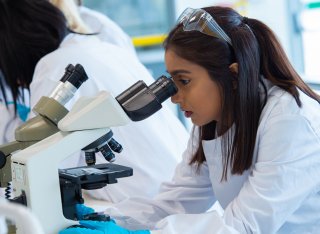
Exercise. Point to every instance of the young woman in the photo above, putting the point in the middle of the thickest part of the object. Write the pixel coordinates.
(256, 144)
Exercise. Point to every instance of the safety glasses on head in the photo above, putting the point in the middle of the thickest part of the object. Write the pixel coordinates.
(202, 21)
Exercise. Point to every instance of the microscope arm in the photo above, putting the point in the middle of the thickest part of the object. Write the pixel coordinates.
(41, 160)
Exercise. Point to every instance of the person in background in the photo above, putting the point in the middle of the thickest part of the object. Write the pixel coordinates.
(84, 20)
(36, 46)
(256, 143)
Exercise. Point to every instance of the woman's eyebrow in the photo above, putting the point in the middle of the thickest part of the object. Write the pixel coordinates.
(176, 72)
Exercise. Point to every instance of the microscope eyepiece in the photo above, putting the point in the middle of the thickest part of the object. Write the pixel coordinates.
(68, 71)
(163, 88)
(140, 101)
(78, 76)
(72, 79)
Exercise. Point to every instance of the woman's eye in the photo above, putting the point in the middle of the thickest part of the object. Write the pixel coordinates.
(184, 81)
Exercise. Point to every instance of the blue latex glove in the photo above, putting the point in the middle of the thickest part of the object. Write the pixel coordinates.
(83, 210)
(97, 227)
(78, 230)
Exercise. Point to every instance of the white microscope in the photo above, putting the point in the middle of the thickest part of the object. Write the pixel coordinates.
(51, 194)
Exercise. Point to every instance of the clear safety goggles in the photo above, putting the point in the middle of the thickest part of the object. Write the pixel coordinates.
(202, 21)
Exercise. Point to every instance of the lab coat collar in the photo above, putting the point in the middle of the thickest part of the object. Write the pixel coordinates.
(73, 39)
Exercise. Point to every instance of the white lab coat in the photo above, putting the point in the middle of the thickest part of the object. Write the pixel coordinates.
(107, 30)
(279, 194)
(151, 147)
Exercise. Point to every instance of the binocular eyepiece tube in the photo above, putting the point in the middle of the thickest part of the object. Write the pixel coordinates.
(72, 79)
(163, 88)
(141, 101)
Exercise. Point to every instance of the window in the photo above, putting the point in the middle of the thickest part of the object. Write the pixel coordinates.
(309, 19)
(137, 17)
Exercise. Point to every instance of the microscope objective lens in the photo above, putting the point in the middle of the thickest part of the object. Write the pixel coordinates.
(115, 146)
(90, 158)
(107, 153)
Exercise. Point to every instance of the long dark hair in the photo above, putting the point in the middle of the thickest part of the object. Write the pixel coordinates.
(258, 53)
(29, 29)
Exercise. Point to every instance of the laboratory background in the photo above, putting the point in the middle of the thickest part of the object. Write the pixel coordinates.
(147, 23)
(296, 23)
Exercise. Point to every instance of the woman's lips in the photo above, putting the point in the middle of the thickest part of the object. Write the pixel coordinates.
(187, 114)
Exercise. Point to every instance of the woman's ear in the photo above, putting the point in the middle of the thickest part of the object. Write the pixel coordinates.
(234, 69)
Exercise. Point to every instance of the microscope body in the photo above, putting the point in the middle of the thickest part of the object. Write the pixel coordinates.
(35, 169)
